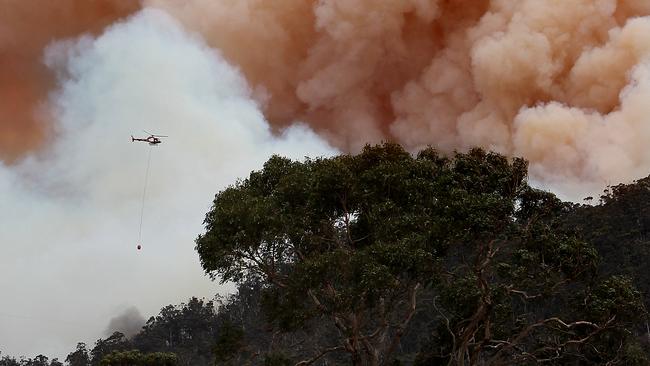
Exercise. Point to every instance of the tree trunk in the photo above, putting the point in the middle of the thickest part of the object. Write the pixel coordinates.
(357, 360)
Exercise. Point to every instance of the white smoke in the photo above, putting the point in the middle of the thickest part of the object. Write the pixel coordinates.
(70, 216)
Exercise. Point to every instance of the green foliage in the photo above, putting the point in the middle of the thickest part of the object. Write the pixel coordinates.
(188, 330)
(360, 234)
(615, 297)
(80, 357)
(39, 360)
(619, 227)
(8, 361)
(277, 359)
(635, 355)
(116, 342)
(352, 238)
(136, 358)
(229, 343)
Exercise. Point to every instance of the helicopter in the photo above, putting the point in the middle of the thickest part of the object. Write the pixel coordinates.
(152, 139)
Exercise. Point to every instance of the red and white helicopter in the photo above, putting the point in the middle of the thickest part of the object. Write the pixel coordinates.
(152, 139)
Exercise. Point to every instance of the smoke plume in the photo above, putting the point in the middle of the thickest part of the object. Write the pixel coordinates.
(26, 27)
(129, 322)
(551, 81)
(559, 82)
(70, 215)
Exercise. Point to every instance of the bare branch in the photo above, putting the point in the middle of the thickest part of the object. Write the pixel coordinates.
(264, 268)
(318, 356)
(511, 344)
(523, 294)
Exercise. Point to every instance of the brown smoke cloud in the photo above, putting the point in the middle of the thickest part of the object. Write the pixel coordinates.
(559, 82)
(26, 27)
(542, 79)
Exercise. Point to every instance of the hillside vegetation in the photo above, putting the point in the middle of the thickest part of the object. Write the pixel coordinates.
(385, 258)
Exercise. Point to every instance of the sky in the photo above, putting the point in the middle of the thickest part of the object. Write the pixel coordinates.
(562, 83)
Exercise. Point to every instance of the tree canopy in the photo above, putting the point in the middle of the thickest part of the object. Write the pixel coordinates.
(359, 239)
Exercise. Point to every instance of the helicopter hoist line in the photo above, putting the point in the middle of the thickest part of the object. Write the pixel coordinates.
(153, 140)
(144, 195)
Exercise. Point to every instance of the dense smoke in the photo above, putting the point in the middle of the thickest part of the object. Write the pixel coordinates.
(559, 82)
(129, 322)
(26, 27)
(553, 81)
(70, 215)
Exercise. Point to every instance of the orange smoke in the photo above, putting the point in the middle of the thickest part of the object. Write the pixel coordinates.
(519, 77)
(560, 82)
(26, 27)
(334, 64)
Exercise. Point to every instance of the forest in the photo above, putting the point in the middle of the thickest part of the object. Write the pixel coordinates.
(390, 258)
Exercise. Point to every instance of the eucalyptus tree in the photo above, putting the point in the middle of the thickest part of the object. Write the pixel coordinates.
(356, 239)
